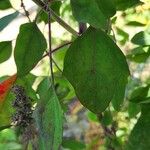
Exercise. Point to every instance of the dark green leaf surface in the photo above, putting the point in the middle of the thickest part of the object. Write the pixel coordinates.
(135, 24)
(139, 54)
(124, 4)
(139, 94)
(94, 12)
(4, 4)
(73, 145)
(7, 19)
(107, 118)
(133, 109)
(97, 69)
(5, 50)
(49, 117)
(139, 138)
(30, 46)
(142, 38)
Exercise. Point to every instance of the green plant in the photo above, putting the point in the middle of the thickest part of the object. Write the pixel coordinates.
(96, 68)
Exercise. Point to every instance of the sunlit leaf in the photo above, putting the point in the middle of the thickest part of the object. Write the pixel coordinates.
(7, 19)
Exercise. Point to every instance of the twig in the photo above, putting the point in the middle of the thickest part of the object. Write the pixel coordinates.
(57, 66)
(26, 12)
(56, 17)
(50, 45)
(56, 49)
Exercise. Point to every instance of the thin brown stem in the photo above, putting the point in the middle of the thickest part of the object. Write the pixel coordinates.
(57, 48)
(50, 45)
(26, 12)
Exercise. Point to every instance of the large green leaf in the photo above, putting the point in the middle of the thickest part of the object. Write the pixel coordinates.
(139, 138)
(94, 12)
(5, 50)
(49, 117)
(4, 4)
(97, 69)
(30, 46)
(7, 19)
(142, 38)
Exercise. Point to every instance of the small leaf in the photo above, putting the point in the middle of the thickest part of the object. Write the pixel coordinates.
(139, 94)
(95, 79)
(73, 145)
(139, 54)
(7, 19)
(139, 137)
(30, 46)
(95, 12)
(124, 4)
(49, 117)
(135, 23)
(5, 50)
(142, 38)
(4, 4)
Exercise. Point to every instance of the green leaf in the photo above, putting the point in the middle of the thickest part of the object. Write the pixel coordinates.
(124, 4)
(107, 118)
(4, 4)
(139, 54)
(139, 94)
(30, 46)
(133, 109)
(49, 117)
(4, 21)
(95, 12)
(135, 23)
(73, 145)
(96, 67)
(142, 38)
(5, 50)
(139, 137)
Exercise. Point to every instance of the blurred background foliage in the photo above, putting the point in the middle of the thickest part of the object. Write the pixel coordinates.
(82, 128)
